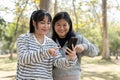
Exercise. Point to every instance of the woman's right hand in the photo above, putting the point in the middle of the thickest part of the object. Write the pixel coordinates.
(52, 51)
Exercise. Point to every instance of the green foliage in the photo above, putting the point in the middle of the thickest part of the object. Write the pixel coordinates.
(92, 34)
(2, 28)
(114, 38)
(15, 28)
(9, 35)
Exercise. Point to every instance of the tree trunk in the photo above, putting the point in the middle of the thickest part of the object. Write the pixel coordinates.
(105, 50)
(75, 16)
(15, 32)
(45, 4)
(116, 56)
(55, 7)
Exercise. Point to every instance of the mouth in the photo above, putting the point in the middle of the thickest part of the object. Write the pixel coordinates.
(45, 30)
(61, 31)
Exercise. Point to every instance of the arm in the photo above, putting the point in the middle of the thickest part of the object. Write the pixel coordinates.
(66, 62)
(26, 56)
(87, 47)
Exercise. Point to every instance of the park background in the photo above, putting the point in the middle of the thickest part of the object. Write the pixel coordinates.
(97, 20)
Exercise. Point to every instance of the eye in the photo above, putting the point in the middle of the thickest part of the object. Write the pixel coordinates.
(65, 25)
(57, 24)
(48, 23)
(42, 22)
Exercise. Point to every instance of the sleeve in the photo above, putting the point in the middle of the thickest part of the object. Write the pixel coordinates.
(26, 56)
(89, 48)
(63, 62)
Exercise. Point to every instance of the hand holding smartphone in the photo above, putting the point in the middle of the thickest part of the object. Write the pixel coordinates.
(73, 40)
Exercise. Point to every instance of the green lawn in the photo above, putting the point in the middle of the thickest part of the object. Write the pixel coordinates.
(92, 68)
(7, 67)
(97, 69)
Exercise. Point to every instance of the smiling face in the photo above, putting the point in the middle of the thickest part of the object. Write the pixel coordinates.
(61, 28)
(42, 27)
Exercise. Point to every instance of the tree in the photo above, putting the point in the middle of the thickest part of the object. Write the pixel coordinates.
(2, 28)
(55, 7)
(2, 32)
(75, 15)
(45, 4)
(114, 40)
(105, 41)
(20, 10)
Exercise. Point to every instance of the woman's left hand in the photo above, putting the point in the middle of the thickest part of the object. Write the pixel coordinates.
(79, 48)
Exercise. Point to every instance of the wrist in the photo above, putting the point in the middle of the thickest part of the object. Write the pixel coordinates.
(72, 58)
(85, 46)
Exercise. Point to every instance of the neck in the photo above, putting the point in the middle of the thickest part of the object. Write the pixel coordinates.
(40, 38)
(62, 36)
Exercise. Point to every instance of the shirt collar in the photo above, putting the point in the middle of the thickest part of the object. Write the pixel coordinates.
(44, 40)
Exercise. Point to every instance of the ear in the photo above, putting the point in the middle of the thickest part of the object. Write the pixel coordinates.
(34, 23)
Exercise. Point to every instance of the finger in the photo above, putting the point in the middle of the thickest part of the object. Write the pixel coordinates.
(67, 52)
(73, 47)
(54, 54)
(57, 48)
(79, 50)
(68, 49)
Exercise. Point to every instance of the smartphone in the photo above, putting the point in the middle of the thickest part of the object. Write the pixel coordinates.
(72, 40)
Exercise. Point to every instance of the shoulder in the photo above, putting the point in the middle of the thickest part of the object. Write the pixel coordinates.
(78, 35)
(24, 36)
(49, 40)
(81, 38)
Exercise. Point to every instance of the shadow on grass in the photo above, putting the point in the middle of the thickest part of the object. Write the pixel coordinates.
(100, 76)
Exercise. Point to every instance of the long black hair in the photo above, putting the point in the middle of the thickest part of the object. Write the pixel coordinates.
(65, 16)
(37, 16)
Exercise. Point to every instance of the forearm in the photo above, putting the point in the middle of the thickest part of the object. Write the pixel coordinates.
(65, 63)
(90, 50)
(30, 57)
(28, 54)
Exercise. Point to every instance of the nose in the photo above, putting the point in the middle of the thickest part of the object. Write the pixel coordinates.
(61, 27)
(46, 25)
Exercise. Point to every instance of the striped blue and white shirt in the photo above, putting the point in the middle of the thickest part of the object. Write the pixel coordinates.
(34, 60)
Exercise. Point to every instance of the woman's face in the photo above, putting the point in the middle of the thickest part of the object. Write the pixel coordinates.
(42, 27)
(61, 28)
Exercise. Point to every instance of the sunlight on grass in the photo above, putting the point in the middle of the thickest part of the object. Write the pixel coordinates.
(98, 69)
(7, 64)
(8, 67)
(97, 60)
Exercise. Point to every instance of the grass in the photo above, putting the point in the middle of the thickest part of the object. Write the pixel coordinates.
(98, 69)
(92, 68)
(7, 67)
(97, 60)
(6, 64)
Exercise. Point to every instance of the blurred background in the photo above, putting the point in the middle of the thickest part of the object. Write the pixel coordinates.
(97, 20)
